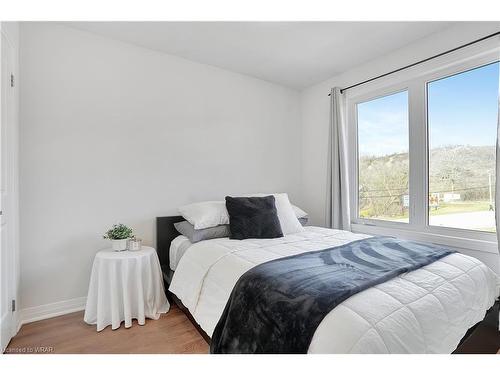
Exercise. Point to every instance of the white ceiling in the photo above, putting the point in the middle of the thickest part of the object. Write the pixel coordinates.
(293, 54)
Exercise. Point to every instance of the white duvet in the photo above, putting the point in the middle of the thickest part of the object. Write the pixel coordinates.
(424, 311)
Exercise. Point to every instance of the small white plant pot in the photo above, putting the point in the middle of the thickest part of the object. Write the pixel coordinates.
(119, 245)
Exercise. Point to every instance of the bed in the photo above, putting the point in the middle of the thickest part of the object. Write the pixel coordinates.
(428, 310)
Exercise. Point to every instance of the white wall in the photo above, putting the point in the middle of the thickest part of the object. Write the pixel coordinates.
(113, 132)
(315, 110)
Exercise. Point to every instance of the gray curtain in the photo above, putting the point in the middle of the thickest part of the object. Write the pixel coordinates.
(337, 188)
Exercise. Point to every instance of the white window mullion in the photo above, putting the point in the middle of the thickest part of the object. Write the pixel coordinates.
(418, 155)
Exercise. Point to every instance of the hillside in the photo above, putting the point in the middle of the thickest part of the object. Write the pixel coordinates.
(462, 168)
(383, 180)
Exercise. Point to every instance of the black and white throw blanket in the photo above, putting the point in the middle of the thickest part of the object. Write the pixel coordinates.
(277, 306)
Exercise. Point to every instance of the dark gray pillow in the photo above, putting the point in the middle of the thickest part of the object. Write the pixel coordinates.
(196, 235)
(303, 220)
(253, 217)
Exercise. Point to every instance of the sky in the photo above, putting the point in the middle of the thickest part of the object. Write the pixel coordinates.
(463, 110)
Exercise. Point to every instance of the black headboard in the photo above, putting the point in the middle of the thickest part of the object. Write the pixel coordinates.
(165, 233)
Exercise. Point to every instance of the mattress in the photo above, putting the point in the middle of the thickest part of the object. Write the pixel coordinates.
(423, 311)
(177, 249)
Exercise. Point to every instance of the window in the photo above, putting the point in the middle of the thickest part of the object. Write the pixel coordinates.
(422, 143)
(383, 162)
(462, 126)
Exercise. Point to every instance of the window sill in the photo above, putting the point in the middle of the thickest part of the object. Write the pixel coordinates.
(460, 242)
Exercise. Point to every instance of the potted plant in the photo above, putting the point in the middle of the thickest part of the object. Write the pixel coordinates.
(119, 236)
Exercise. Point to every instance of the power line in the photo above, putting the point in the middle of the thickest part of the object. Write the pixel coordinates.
(443, 191)
(431, 192)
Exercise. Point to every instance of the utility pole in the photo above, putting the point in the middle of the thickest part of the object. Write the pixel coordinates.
(489, 186)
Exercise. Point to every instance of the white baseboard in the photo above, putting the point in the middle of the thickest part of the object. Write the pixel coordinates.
(50, 310)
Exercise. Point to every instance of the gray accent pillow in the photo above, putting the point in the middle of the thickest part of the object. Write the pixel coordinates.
(196, 235)
(303, 220)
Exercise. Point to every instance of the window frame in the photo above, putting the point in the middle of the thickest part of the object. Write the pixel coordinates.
(395, 89)
(415, 80)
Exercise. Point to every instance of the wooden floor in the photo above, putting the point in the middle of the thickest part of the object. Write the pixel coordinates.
(486, 337)
(172, 333)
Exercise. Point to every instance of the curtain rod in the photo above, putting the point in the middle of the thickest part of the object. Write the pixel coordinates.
(420, 62)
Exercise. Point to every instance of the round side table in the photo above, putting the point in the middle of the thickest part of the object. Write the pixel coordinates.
(125, 285)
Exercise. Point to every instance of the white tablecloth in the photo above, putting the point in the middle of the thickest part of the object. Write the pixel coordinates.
(123, 286)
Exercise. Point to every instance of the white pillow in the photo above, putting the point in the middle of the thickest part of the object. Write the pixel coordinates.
(299, 212)
(205, 214)
(288, 219)
(212, 213)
